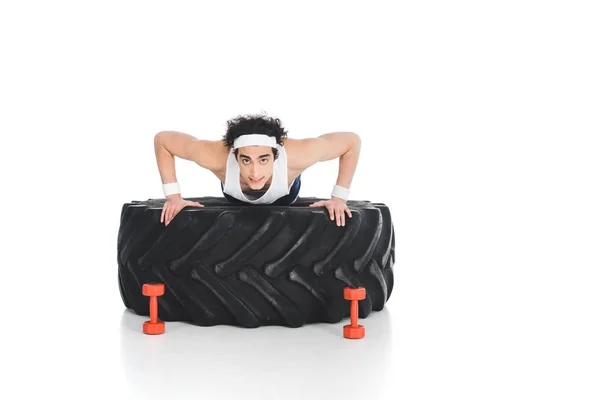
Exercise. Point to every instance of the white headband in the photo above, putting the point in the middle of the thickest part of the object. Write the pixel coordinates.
(254, 140)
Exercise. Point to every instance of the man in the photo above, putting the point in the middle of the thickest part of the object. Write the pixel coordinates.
(257, 164)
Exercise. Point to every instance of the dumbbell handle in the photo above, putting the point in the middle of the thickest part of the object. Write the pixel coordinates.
(354, 313)
(153, 309)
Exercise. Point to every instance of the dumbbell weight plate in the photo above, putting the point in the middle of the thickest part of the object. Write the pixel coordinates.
(154, 328)
(153, 289)
(355, 294)
(357, 332)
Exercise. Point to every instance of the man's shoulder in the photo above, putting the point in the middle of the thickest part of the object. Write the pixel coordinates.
(301, 153)
(218, 155)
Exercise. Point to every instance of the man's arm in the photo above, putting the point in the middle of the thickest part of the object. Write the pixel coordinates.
(171, 144)
(329, 146)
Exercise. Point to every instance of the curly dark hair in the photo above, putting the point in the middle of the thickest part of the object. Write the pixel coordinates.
(254, 123)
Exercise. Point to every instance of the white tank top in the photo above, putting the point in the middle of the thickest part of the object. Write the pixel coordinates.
(279, 183)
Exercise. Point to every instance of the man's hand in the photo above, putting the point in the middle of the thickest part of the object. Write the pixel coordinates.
(172, 207)
(337, 208)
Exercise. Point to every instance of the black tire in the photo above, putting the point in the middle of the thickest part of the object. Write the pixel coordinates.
(255, 265)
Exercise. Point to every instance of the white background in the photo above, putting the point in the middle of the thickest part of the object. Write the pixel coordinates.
(479, 124)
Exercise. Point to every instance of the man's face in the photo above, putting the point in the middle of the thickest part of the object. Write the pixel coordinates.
(256, 165)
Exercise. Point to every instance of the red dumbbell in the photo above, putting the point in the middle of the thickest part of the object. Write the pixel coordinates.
(354, 331)
(154, 326)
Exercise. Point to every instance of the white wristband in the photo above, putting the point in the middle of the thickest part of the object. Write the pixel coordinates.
(341, 192)
(171, 188)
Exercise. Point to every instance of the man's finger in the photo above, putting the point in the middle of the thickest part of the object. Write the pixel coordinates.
(162, 214)
(167, 213)
(331, 212)
(171, 214)
(349, 213)
(338, 216)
